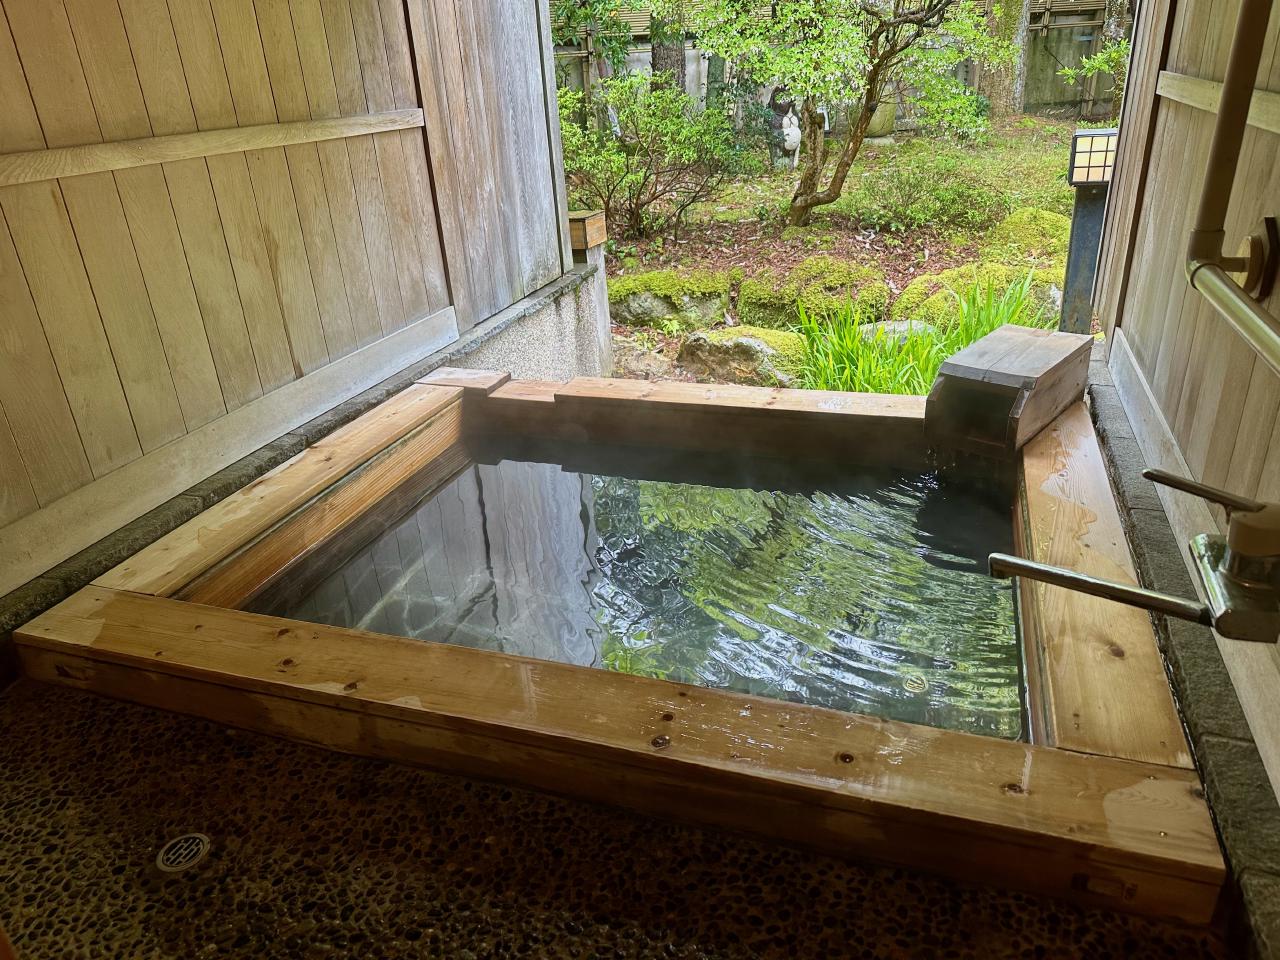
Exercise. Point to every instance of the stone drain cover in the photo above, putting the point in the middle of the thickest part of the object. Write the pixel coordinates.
(182, 853)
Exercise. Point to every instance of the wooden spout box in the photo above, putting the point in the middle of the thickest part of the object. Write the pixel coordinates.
(996, 394)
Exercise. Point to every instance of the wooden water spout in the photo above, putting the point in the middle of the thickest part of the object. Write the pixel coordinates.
(996, 394)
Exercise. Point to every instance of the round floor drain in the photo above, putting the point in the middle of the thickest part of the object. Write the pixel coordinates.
(183, 853)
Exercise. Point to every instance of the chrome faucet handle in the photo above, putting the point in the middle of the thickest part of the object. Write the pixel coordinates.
(1224, 498)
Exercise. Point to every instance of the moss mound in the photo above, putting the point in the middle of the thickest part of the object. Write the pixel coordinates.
(932, 298)
(761, 356)
(1031, 237)
(819, 284)
(671, 298)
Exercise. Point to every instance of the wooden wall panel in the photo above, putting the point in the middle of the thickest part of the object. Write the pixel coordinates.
(204, 202)
(1202, 401)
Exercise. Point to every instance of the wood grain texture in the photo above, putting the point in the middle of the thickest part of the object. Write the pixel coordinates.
(35, 165)
(39, 540)
(1264, 112)
(1134, 836)
(1088, 647)
(179, 557)
(745, 421)
(391, 482)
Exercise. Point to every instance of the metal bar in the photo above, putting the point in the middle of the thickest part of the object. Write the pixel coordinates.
(1257, 326)
(1228, 133)
(1004, 565)
(1205, 261)
(1214, 495)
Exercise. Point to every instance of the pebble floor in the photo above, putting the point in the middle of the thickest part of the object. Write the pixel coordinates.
(316, 854)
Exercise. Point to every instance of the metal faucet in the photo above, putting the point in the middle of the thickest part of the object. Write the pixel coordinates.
(1239, 574)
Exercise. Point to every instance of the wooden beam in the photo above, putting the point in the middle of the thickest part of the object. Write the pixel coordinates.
(1101, 676)
(587, 229)
(1264, 112)
(36, 542)
(480, 382)
(758, 421)
(1096, 830)
(178, 558)
(34, 165)
(383, 488)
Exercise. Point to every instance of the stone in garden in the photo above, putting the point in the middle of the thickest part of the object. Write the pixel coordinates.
(932, 298)
(670, 300)
(749, 355)
(821, 285)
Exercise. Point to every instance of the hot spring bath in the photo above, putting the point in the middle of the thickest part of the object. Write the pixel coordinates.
(790, 606)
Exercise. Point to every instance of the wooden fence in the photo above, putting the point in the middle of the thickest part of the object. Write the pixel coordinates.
(219, 218)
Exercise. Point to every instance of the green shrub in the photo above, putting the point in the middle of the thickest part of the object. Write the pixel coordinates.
(651, 156)
(840, 355)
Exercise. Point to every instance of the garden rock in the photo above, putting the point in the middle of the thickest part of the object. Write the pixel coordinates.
(749, 355)
(670, 299)
(821, 284)
(932, 298)
(899, 330)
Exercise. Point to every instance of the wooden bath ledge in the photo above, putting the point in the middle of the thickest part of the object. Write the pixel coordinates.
(1059, 816)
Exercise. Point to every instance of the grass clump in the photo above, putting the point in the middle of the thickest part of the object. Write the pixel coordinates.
(842, 354)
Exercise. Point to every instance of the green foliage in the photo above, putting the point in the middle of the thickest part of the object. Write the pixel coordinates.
(848, 55)
(932, 298)
(1112, 60)
(571, 19)
(1030, 237)
(660, 155)
(947, 186)
(841, 354)
(819, 283)
(671, 283)
(823, 49)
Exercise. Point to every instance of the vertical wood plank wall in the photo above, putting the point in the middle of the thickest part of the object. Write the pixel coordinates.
(206, 203)
(1218, 400)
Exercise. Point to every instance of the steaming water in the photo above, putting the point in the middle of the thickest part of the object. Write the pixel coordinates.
(862, 592)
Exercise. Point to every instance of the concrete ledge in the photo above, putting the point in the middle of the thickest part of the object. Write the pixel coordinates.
(56, 584)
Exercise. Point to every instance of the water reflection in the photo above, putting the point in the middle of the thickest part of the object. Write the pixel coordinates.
(867, 594)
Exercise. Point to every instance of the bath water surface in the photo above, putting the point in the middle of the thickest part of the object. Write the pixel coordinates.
(859, 590)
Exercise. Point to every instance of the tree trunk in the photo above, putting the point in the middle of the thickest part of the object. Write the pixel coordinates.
(808, 196)
(666, 55)
(1117, 19)
(1004, 85)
